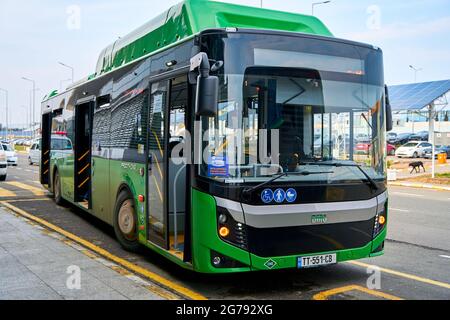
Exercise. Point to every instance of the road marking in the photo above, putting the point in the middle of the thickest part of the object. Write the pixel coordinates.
(444, 256)
(327, 294)
(407, 194)
(185, 292)
(29, 200)
(34, 190)
(404, 275)
(6, 193)
(400, 210)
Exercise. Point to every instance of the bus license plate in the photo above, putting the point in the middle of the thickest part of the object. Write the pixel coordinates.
(317, 261)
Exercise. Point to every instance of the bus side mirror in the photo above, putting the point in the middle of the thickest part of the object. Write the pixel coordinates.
(207, 87)
(207, 96)
(389, 117)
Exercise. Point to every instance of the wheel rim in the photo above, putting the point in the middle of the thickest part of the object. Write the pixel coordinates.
(127, 224)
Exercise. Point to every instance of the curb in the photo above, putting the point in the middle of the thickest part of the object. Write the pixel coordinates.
(419, 185)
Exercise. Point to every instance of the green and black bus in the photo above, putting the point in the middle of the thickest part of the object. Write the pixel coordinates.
(224, 138)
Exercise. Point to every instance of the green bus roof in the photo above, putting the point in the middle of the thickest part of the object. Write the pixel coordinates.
(193, 16)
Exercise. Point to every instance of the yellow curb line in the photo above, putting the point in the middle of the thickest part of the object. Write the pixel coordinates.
(326, 294)
(126, 264)
(404, 275)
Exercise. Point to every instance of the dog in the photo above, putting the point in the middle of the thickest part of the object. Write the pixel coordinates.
(417, 166)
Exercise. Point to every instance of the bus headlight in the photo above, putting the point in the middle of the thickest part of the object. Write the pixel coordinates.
(380, 221)
(230, 230)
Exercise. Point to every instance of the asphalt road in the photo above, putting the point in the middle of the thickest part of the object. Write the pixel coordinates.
(416, 264)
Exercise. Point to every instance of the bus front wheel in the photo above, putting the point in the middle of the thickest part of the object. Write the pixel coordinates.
(125, 222)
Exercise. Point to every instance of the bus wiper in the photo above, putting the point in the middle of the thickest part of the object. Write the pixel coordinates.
(248, 191)
(372, 182)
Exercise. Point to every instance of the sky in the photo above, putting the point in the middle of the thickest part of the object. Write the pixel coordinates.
(36, 34)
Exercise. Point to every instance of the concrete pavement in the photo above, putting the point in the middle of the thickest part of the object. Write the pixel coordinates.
(38, 265)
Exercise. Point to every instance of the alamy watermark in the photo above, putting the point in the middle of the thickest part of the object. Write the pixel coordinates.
(374, 280)
(73, 21)
(73, 282)
(373, 21)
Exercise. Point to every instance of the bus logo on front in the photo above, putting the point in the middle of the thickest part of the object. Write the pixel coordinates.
(319, 219)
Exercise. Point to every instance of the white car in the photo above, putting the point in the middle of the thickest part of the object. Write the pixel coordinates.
(3, 165)
(413, 149)
(11, 155)
(34, 156)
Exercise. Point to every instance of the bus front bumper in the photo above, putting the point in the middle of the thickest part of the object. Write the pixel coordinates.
(211, 254)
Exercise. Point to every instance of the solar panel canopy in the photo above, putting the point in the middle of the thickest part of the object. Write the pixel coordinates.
(417, 96)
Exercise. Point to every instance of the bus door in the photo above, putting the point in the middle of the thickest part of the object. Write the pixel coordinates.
(167, 175)
(83, 143)
(45, 148)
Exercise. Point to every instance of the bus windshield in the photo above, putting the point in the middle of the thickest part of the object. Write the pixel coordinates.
(293, 105)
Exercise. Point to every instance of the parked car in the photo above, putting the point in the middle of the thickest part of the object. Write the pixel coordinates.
(34, 156)
(428, 153)
(420, 136)
(391, 137)
(3, 165)
(401, 139)
(413, 149)
(362, 137)
(59, 143)
(11, 155)
(364, 147)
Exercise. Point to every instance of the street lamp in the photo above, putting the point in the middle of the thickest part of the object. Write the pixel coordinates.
(33, 104)
(71, 68)
(416, 70)
(7, 124)
(318, 3)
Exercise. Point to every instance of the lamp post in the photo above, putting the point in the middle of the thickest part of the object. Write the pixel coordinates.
(33, 104)
(416, 70)
(316, 4)
(7, 120)
(69, 67)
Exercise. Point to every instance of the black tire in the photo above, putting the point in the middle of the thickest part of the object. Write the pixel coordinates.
(127, 235)
(57, 190)
(415, 155)
(3, 178)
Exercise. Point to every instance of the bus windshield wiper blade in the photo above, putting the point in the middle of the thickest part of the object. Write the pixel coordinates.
(248, 191)
(372, 182)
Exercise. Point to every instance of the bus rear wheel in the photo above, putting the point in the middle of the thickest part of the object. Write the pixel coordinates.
(57, 190)
(125, 222)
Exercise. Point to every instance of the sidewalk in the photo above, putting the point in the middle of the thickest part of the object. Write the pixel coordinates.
(404, 176)
(36, 264)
